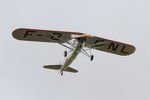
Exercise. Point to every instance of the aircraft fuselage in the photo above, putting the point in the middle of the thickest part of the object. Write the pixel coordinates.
(73, 54)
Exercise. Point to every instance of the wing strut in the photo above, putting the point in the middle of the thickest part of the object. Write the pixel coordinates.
(83, 51)
(62, 41)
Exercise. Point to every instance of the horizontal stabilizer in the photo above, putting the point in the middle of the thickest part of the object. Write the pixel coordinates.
(57, 67)
(69, 69)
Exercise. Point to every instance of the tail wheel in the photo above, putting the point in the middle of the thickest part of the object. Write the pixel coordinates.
(92, 57)
(65, 53)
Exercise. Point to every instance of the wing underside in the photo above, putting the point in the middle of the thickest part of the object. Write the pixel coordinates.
(94, 42)
(109, 46)
(42, 35)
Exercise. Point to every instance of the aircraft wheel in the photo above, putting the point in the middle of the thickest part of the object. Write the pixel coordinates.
(65, 53)
(92, 57)
(61, 73)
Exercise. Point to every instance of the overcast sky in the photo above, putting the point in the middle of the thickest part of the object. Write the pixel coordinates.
(108, 77)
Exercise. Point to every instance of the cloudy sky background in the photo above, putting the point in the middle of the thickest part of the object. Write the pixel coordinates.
(108, 77)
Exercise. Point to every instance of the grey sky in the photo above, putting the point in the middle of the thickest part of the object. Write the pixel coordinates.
(108, 77)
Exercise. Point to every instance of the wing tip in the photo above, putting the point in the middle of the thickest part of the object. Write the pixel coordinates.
(132, 50)
(15, 34)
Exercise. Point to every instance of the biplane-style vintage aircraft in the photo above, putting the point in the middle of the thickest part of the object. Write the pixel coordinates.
(75, 41)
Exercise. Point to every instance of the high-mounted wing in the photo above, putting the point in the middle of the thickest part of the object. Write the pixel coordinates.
(94, 42)
(109, 46)
(43, 35)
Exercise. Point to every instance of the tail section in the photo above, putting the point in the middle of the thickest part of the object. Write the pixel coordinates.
(58, 67)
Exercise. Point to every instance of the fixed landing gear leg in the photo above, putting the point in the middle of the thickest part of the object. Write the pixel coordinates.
(91, 56)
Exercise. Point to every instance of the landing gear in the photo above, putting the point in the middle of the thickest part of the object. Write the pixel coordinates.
(65, 53)
(61, 73)
(91, 57)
